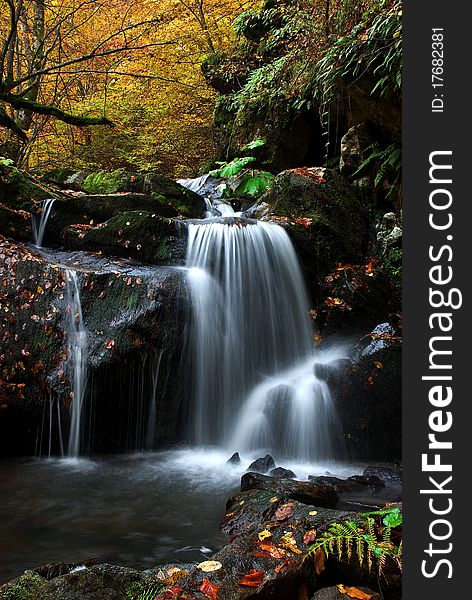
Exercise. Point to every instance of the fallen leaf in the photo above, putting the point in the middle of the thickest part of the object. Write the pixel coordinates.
(263, 535)
(279, 568)
(109, 344)
(312, 513)
(173, 592)
(320, 559)
(309, 536)
(174, 574)
(285, 511)
(271, 550)
(252, 579)
(378, 364)
(353, 592)
(289, 542)
(211, 590)
(209, 565)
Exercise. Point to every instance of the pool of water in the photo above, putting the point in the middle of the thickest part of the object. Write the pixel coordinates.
(139, 510)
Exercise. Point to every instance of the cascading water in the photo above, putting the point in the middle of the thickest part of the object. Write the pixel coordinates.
(76, 339)
(254, 381)
(39, 227)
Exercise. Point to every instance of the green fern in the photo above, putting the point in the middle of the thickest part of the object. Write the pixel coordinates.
(369, 542)
(145, 590)
(387, 166)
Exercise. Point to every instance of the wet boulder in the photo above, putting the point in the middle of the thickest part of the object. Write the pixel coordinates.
(282, 473)
(99, 582)
(368, 397)
(172, 197)
(302, 491)
(353, 299)
(235, 459)
(323, 215)
(390, 476)
(138, 235)
(21, 191)
(91, 211)
(15, 223)
(132, 314)
(262, 464)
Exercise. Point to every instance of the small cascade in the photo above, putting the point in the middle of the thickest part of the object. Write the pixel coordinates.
(39, 226)
(76, 339)
(207, 186)
(254, 381)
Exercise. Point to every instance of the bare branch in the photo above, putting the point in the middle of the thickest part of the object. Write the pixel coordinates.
(80, 59)
(124, 73)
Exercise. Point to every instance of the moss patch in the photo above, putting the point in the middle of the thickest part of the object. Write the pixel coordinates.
(104, 183)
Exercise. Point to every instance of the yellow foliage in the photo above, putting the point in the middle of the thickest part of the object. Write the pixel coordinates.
(153, 90)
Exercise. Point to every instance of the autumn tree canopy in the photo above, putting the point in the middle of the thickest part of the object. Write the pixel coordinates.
(132, 70)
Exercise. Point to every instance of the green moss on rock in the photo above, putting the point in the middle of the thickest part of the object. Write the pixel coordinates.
(104, 183)
(27, 587)
(324, 216)
(139, 235)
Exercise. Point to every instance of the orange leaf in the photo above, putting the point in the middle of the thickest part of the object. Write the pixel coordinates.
(211, 590)
(354, 592)
(285, 511)
(378, 364)
(271, 549)
(252, 579)
(309, 536)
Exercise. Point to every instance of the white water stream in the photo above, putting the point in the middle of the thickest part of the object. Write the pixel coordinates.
(252, 348)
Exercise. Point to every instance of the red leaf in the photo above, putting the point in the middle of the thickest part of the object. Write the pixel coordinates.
(309, 536)
(173, 592)
(252, 579)
(271, 550)
(211, 590)
(110, 344)
(285, 511)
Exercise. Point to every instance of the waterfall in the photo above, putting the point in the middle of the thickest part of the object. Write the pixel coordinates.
(40, 228)
(76, 339)
(254, 385)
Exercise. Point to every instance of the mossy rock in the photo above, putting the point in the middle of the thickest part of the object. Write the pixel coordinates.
(174, 198)
(323, 215)
(29, 586)
(97, 209)
(141, 308)
(368, 396)
(21, 191)
(15, 224)
(139, 235)
(58, 176)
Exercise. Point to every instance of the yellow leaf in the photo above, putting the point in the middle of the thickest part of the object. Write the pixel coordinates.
(209, 565)
(312, 513)
(263, 535)
(288, 541)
